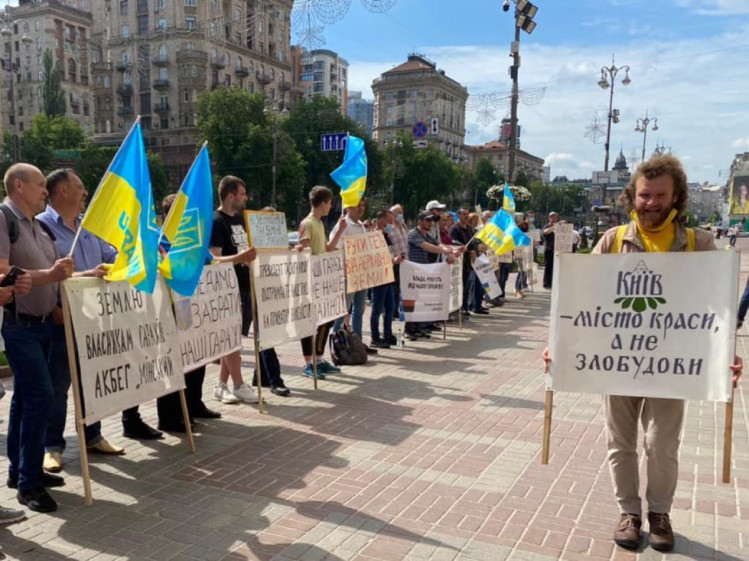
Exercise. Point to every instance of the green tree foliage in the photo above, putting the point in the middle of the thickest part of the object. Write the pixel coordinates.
(323, 115)
(564, 200)
(240, 139)
(47, 134)
(484, 176)
(53, 96)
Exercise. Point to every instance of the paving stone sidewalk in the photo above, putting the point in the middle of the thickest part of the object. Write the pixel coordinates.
(431, 452)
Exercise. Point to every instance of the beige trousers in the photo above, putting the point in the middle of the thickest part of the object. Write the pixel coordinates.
(661, 423)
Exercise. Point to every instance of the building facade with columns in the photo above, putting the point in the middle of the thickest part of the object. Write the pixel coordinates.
(419, 92)
(496, 152)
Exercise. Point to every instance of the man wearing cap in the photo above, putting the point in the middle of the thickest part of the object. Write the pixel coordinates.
(424, 248)
(435, 208)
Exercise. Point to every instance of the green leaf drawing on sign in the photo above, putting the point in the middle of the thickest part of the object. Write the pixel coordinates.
(660, 300)
(652, 303)
(639, 305)
(626, 303)
(619, 300)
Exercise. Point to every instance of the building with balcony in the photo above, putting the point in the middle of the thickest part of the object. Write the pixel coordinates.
(322, 72)
(40, 25)
(497, 154)
(361, 110)
(153, 58)
(419, 92)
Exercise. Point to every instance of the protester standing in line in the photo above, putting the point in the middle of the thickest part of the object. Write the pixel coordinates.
(62, 220)
(28, 331)
(229, 244)
(399, 237)
(461, 234)
(655, 197)
(383, 301)
(547, 235)
(312, 235)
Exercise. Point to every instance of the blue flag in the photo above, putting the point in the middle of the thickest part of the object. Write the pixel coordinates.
(187, 228)
(509, 199)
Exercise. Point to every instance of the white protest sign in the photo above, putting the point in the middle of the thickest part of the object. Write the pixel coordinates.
(456, 283)
(328, 286)
(563, 238)
(425, 290)
(127, 344)
(266, 230)
(644, 324)
(493, 259)
(282, 295)
(535, 235)
(506, 257)
(486, 275)
(209, 323)
(368, 261)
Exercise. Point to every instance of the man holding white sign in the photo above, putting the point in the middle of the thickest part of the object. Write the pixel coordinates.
(655, 197)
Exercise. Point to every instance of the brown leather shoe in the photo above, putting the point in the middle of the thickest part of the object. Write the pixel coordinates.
(627, 533)
(661, 533)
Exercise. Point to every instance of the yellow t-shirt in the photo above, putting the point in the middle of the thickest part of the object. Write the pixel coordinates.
(658, 241)
(315, 232)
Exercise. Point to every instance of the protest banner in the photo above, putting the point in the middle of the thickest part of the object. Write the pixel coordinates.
(483, 269)
(644, 324)
(563, 238)
(505, 257)
(328, 286)
(368, 261)
(266, 230)
(425, 290)
(493, 259)
(209, 323)
(282, 296)
(535, 235)
(456, 283)
(127, 344)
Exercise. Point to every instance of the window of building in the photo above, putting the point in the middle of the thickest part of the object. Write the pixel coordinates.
(193, 71)
(161, 4)
(190, 20)
(123, 8)
(251, 87)
(142, 6)
(38, 43)
(126, 30)
(227, 80)
(40, 75)
(187, 96)
(191, 2)
(37, 25)
(191, 46)
(162, 24)
(214, 6)
(239, 62)
(142, 24)
(163, 75)
(106, 81)
(164, 124)
(127, 79)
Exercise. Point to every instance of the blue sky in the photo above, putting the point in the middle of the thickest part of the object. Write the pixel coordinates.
(688, 62)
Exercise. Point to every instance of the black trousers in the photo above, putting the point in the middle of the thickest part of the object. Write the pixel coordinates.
(548, 268)
(169, 407)
(321, 341)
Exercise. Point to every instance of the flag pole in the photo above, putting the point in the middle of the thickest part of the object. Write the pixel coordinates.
(78, 232)
(168, 214)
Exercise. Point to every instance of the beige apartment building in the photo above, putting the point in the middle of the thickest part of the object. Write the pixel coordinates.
(154, 57)
(417, 92)
(496, 152)
(28, 30)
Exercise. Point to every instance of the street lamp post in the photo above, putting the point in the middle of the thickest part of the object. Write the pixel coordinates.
(12, 67)
(642, 126)
(394, 143)
(284, 112)
(524, 14)
(607, 73)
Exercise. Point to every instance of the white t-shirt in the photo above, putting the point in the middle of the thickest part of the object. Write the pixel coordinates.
(353, 228)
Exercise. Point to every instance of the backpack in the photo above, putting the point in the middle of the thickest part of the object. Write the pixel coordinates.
(11, 220)
(617, 245)
(347, 348)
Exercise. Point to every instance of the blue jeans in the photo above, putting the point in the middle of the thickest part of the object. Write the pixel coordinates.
(29, 352)
(520, 279)
(58, 409)
(478, 292)
(356, 302)
(382, 299)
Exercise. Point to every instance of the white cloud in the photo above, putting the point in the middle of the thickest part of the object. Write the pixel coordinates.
(741, 143)
(715, 7)
(691, 86)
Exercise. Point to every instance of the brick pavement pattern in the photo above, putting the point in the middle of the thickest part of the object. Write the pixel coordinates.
(431, 452)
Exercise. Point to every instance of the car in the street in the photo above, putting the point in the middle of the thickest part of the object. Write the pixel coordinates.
(293, 239)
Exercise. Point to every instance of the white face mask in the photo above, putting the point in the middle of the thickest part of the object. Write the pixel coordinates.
(399, 218)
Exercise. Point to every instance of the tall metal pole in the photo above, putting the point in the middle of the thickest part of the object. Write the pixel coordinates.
(644, 138)
(392, 173)
(275, 155)
(608, 129)
(514, 70)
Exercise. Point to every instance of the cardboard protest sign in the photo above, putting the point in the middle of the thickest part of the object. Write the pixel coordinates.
(494, 259)
(644, 324)
(127, 344)
(209, 323)
(266, 230)
(368, 261)
(483, 269)
(535, 235)
(282, 295)
(456, 283)
(328, 286)
(563, 238)
(425, 290)
(505, 258)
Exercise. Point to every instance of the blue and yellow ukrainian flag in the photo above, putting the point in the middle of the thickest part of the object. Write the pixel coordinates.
(502, 234)
(122, 214)
(352, 173)
(509, 200)
(187, 228)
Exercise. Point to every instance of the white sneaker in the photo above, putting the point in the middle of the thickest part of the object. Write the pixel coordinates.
(245, 393)
(221, 393)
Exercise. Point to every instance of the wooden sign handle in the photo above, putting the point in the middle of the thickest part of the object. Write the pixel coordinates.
(547, 427)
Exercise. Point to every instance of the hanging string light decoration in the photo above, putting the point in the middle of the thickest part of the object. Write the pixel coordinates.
(309, 17)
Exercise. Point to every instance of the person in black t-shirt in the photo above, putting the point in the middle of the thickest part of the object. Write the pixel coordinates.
(229, 244)
(548, 237)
